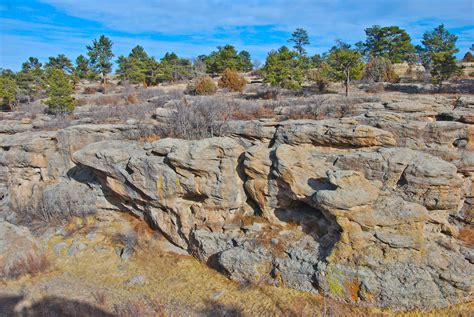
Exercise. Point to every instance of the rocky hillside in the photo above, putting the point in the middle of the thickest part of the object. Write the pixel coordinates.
(376, 207)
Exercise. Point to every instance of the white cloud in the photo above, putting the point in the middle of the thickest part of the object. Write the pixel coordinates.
(334, 16)
(195, 27)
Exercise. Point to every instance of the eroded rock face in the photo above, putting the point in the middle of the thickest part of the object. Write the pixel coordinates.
(326, 206)
(368, 208)
(176, 184)
(38, 178)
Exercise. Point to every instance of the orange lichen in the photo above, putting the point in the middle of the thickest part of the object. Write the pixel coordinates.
(352, 289)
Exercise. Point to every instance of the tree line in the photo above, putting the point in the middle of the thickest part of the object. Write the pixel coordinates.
(285, 67)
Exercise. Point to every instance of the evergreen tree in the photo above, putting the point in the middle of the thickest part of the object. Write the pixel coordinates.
(468, 58)
(30, 79)
(82, 70)
(138, 66)
(300, 38)
(100, 56)
(59, 90)
(227, 57)
(345, 64)
(284, 68)
(245, 61)
(8, 90)
(436, 41)
(443, 67)
(175, 68)
(61, 62)
(438, 54)
(390, 42)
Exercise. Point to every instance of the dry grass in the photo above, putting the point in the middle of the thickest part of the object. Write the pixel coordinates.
(32, 264)
(149, 138)
(253, 113)
(466, 234)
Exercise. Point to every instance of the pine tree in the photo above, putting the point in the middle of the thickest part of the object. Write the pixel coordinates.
(390, 42)
(284, 68)
(30, 79)
(59, 90)
(468, 58)
(345, 64)
(100, 56)
(61, 62)
(227, 57)
(82, 70)
(438, 54)
(300, 38)
(245, 61)
(8, 90)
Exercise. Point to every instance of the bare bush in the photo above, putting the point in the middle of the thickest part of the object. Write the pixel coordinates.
(203, 118)
(32, 263)
(268, 93)
(374, 88)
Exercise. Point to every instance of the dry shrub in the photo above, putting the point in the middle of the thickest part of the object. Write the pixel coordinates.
(374, 88)
(202, 86)
(104, 100)
(232, 80)
(132, 99)
(317, 76)
(380, 69)
(149, 138)
(251, 114)
(89, 90)
(466, 234)
(201, 119)
(32, 264)
(270, 93)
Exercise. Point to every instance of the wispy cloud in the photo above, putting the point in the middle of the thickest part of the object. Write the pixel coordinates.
(190, 28)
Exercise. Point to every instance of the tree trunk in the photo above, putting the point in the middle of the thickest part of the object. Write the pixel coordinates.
(347, 74)
(104, 80)
(347, 86)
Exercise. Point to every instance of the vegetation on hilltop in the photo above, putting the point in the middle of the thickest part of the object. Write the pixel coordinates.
(370, 60)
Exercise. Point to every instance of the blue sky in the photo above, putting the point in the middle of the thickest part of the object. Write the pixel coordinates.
(44, 28)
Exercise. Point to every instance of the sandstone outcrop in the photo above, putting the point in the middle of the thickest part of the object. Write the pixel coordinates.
(368, 208)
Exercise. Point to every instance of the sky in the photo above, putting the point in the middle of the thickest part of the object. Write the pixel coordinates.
(43, 28)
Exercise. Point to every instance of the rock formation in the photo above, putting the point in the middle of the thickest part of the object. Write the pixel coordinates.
(366, 208)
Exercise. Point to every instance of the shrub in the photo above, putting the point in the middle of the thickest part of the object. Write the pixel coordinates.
(379, 69)
(203, 119)
(319, 77)
(269, 93)
(251, 114)
(471, 74)
(204, 85)
(132, 99)
(232, 80)
(374, 88)
(31, 264)
(90, 90)
(8, 90)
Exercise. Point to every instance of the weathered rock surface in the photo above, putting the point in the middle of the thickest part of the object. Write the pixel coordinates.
(369, 208)
(18, 249)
